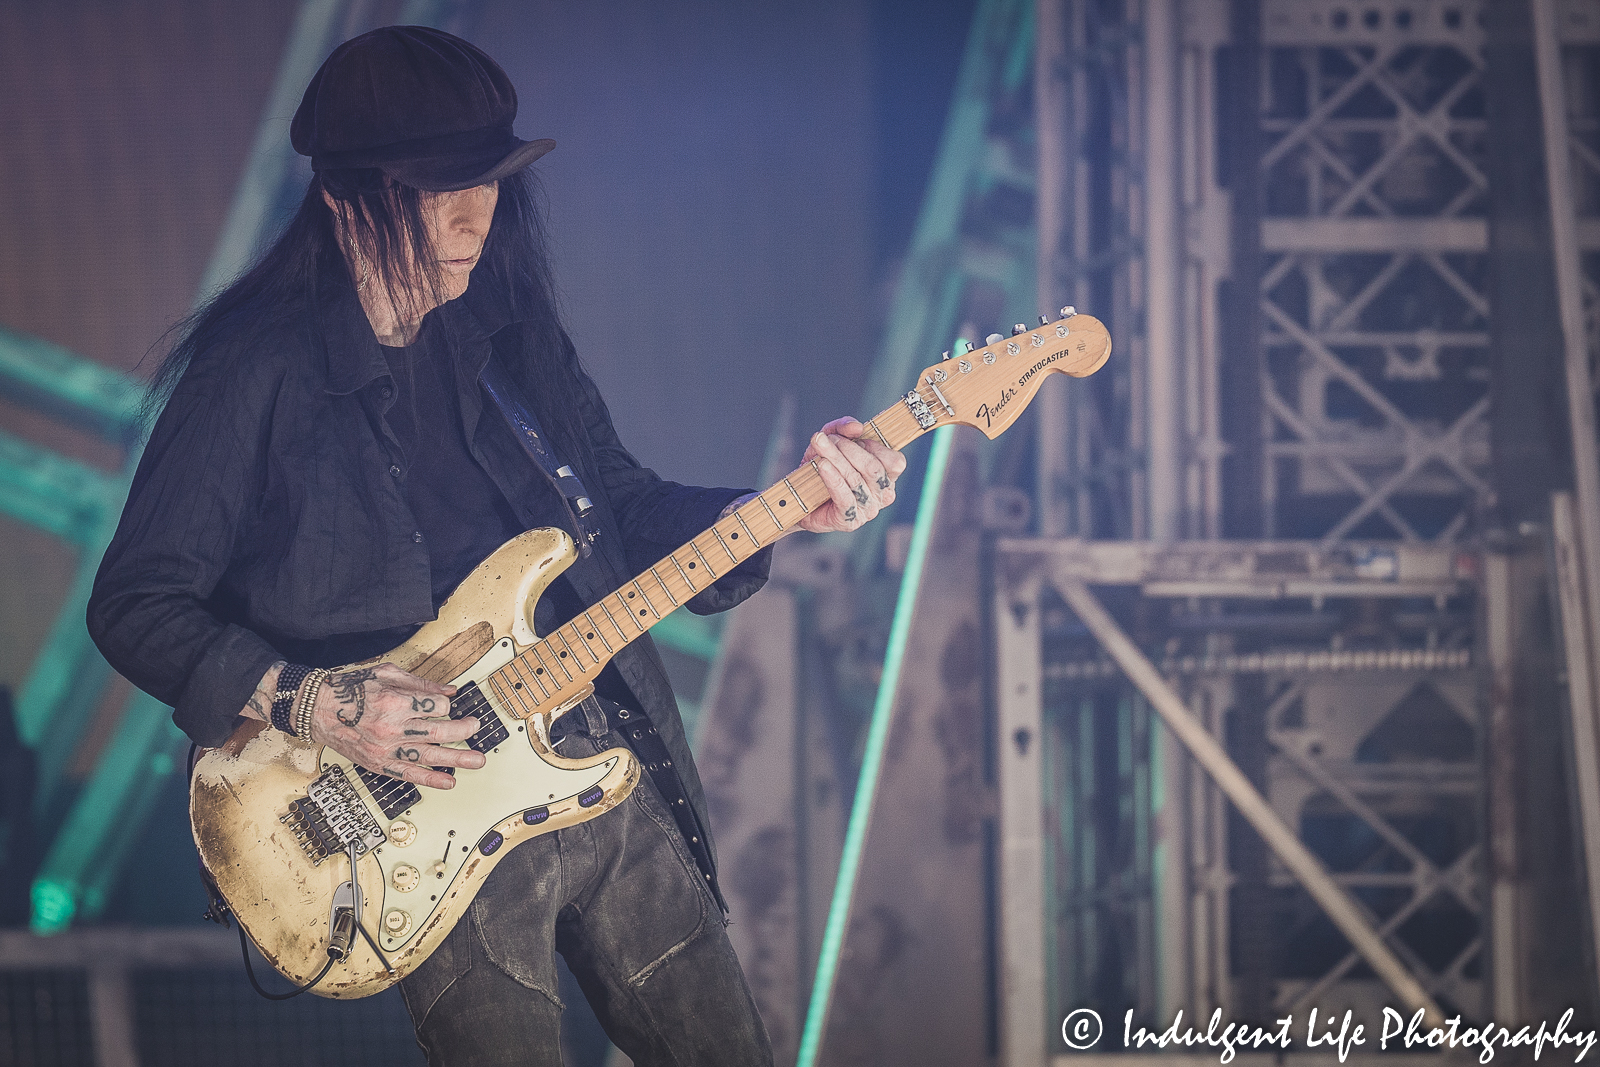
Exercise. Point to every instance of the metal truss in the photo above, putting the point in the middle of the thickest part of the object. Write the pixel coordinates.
(1353, 666)
(1374, 236)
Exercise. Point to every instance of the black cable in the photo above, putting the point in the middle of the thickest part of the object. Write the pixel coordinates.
(244, 947)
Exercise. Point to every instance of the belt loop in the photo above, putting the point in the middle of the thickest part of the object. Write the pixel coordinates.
(594, 716)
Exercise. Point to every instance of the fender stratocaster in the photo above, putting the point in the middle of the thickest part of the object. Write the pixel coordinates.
(278, 820)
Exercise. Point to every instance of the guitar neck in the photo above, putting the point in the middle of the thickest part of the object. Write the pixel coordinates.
(553, 668)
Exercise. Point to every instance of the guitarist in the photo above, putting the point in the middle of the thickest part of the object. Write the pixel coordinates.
(329, 466)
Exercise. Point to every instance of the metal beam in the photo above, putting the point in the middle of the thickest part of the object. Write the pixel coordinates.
(104, 823)
(57, 495)
(68, 386)
(1346, 914)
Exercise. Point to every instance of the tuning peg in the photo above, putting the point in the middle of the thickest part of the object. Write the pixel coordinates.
(1044, 320)
(1068, 311)
(1020, 327)
(969, 345)
(993, 338)
(946, 354)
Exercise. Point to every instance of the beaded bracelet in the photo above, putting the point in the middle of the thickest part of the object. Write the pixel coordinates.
(308, 703)
(289, 680)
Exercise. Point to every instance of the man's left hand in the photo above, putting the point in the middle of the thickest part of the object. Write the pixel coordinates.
(859, 471)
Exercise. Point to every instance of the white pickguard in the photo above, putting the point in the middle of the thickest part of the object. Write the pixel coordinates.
(450, 823)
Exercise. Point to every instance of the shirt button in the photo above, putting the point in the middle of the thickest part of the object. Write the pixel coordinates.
(417, 537)
(387, 392)
(395, 470)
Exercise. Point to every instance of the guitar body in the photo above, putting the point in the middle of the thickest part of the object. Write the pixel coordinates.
(418, 877)
(274, 817)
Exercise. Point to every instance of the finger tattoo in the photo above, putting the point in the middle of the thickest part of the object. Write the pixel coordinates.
(883, 482)
(861, 494)
(416, 733)
(410, 755)
(850, 513)
(422, 705)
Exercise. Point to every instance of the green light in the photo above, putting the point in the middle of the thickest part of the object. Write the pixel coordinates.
(872, 759)
(54, 903)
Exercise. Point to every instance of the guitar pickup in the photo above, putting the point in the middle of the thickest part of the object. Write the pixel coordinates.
(491, 731)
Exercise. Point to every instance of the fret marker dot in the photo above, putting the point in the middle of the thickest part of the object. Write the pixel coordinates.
(538, 670)
(563, 655)
(691, 566)
(630, 596)
(733, 537)
(783, 503)
(516, 685)
(641, 611)
(588, 637)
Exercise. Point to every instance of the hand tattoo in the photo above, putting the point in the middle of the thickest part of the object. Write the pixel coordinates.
(861, 494)
(850, 513)
(416, 733)
(422, 705)
(349, 689)
(410, 755)
(883, 481)
(256, 704)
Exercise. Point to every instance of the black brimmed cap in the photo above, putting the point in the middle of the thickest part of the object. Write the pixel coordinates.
(425, 107)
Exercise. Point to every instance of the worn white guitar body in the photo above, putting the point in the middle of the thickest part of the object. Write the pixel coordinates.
(274, 817)
(435, 854)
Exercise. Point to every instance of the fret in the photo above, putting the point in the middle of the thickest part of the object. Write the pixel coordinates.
(509, 697)
(547, 666)
(683, 573)
(663, 586)
(715, 533)
(703, 561)
(772, 514)
(621, 634)
(577, 660)
(599, 632)
(798, 499)
(747, 532)
(646, 599)
(874, 424)
(516, 667)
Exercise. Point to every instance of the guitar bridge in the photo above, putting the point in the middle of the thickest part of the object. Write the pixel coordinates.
(331, 817)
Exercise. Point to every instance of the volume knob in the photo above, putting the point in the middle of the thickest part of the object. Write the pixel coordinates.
(402, 832)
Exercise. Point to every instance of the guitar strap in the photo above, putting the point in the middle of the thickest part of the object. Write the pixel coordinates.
(604, 716)
(526, 428)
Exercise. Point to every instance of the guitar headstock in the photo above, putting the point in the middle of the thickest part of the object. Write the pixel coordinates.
(989, 387)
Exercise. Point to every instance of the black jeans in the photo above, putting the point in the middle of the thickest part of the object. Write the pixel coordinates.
(620, 898)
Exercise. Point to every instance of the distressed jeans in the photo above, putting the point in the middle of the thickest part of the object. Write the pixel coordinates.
(620, 898)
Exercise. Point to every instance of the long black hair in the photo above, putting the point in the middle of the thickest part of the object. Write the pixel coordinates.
(385, 221)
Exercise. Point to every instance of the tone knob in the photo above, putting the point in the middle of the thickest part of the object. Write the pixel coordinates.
(396, 923)
(402, 832)
(405, 877)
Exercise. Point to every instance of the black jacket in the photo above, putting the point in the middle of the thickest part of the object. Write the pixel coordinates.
(268, 517)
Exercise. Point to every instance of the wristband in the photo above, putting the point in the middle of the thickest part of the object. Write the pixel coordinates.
(289, 680)
(308, 703)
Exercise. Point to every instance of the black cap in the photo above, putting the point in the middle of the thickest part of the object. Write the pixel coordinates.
(425, 107)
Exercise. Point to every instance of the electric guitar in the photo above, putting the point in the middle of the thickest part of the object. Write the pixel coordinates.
(308, 850)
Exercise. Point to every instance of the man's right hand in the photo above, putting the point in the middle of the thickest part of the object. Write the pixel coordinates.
(393, 723)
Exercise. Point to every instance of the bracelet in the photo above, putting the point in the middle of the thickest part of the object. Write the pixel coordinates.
(289, 680)
(308, 703)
